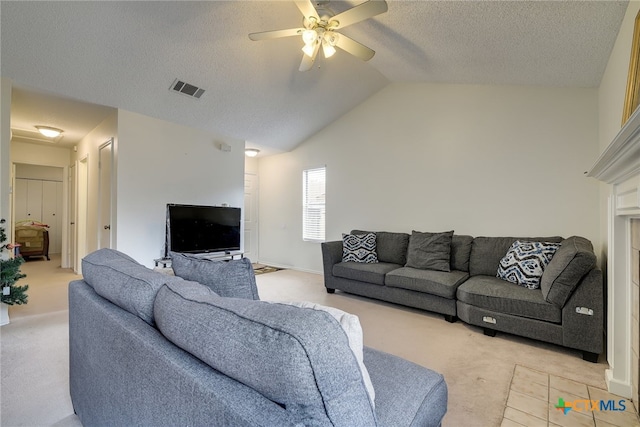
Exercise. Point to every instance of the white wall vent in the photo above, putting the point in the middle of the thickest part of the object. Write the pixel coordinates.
(187, 89)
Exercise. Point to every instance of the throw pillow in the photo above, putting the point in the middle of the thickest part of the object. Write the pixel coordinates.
(234, 278)
(430, 251)
(350, 324)
(524, 262)
(390, 246)
(359, 248)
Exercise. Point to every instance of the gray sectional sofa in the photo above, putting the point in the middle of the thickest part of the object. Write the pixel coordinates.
(567, 309)
(158, 350)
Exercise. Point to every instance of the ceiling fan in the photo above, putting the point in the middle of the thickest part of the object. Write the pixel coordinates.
(319, 29)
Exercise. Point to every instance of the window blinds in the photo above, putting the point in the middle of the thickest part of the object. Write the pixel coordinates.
(313, 204)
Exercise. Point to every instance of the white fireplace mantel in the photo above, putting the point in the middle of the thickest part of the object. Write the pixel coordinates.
(619, 166)
(621, 160)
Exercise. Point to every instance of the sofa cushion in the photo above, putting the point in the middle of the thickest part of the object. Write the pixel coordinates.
(123, 281)
(359, 248)
(573, 260)
(350, 324)
(411, 396)
(494, 294)
(430, 251)
(234, 278)
(525, 262)
(460, 252)
(296, 357)
(370, 273)
(432, 282)
(486, 252)
(391, 247)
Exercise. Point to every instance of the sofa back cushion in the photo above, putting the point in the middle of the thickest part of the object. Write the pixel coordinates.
(486, 252)
(430, 251)
(296, 357)
(391, 247)
(460, 252)
(350, 324)
(571, 262)
(234, 278)
(123, 281)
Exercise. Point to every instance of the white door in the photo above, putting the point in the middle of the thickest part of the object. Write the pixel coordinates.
(251, 216)
(104, 195)
(20, 200)
(73, 203)
(52, 213)
(82, 191)
(34, 200)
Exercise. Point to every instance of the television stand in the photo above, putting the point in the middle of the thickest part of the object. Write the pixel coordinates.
(164, 262)
(217, 256)
(222, 256)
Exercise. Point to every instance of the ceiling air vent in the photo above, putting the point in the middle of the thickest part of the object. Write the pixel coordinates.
(186, 89)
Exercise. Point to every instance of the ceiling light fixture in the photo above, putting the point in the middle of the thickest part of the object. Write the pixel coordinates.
(320, 26)
(48, 131)
(251, 152)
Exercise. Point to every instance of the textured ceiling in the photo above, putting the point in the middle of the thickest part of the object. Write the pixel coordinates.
(127, 54)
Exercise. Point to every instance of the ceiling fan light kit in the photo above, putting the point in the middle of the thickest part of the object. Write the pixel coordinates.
(320, 30)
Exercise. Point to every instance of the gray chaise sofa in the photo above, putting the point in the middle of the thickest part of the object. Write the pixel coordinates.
(567, 310)
(157, 350)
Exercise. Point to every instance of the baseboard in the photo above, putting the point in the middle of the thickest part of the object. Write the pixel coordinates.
(619, 388)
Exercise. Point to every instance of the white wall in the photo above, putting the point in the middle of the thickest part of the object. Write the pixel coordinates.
(482, 160)
(5, 156)
(42, 155)
(611, 96)
(88, 148)
(46, 173)
(160, 162)
(613, 86)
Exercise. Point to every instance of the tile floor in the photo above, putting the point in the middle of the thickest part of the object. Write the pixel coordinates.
(534, 395)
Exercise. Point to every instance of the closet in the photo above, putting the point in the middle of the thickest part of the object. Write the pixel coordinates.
(38, 197)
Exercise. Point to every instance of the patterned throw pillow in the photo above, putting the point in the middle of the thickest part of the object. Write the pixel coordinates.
(524, 262)
(359, 248)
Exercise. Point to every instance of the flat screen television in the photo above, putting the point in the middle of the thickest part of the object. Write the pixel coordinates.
(202, 229)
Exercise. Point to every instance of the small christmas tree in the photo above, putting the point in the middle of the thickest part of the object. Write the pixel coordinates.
(10, 274)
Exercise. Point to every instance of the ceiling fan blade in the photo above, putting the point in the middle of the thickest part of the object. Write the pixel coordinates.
(266, 35)
(307, 61)
(306, 64)
(307, 8)
(354, 48)
(361, 12)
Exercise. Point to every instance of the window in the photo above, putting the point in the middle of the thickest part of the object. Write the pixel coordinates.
(313, 204)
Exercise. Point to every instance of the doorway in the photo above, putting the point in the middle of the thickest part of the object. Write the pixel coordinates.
(81, 190)
(38, 198)
(105, 164)
(251, 216)
(73, 205)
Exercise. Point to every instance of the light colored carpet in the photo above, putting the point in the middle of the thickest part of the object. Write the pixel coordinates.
(478, 369)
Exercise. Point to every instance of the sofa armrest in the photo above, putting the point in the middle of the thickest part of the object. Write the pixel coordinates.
(331, 255)
(583, 315)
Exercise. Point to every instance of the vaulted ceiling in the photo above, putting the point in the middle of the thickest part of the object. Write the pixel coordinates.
(70, 60)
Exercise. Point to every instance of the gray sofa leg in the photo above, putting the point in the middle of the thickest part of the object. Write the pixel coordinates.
(331, 291)
(450, 318)
(590, 357)
(489, 332)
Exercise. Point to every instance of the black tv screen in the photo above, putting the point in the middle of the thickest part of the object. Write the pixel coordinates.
(201, 229)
